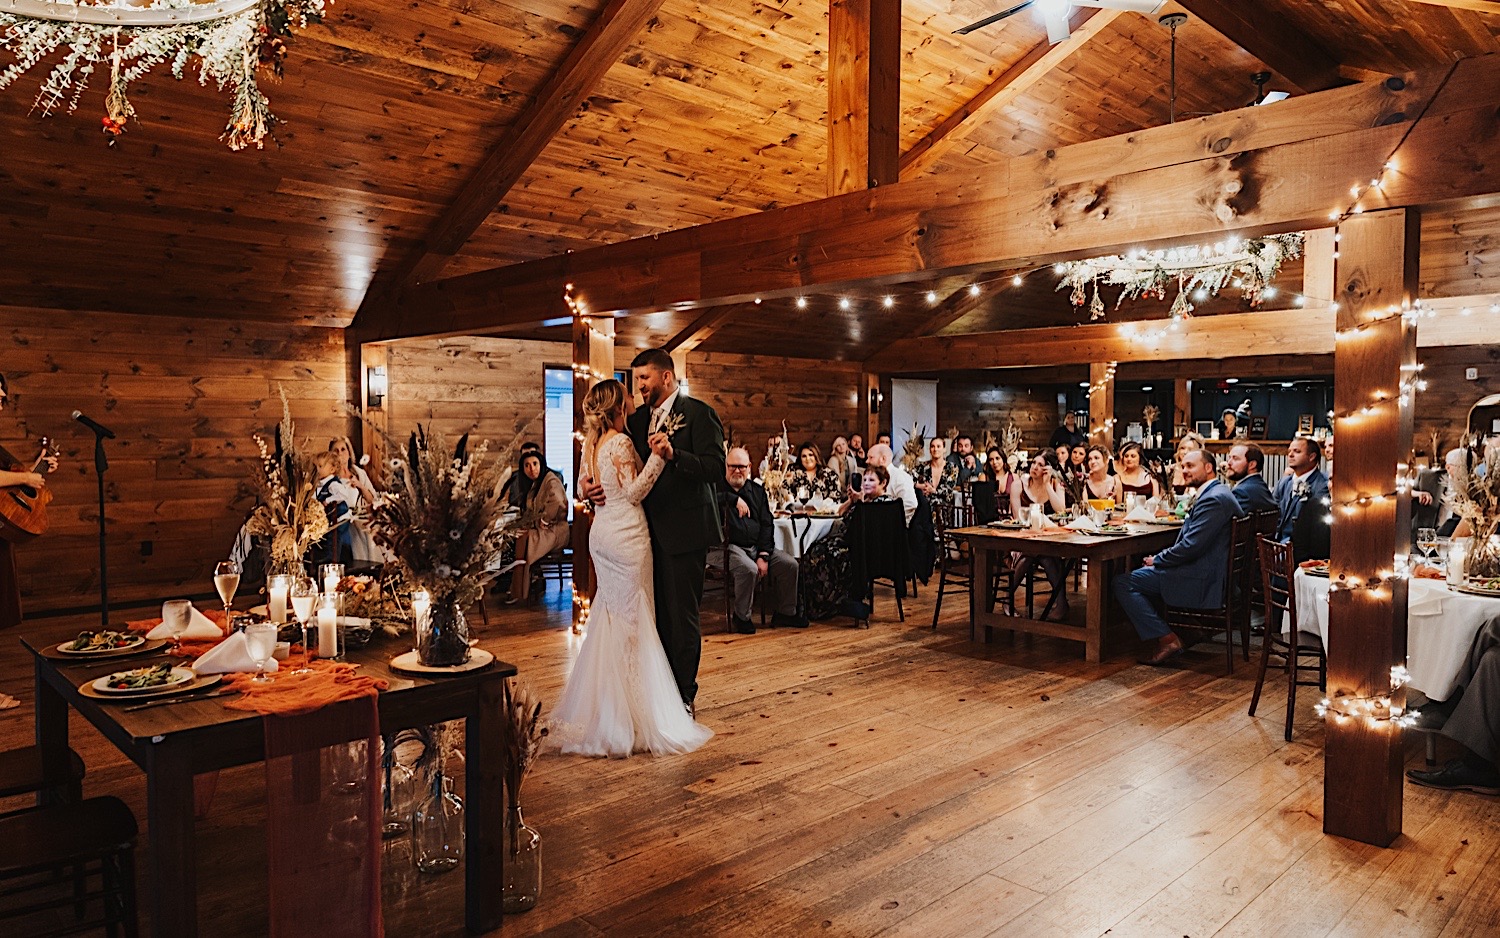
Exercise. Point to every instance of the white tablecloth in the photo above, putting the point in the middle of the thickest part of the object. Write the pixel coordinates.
(1440, 627)
(793, 533)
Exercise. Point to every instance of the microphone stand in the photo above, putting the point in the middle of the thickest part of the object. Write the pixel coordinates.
(101, 463)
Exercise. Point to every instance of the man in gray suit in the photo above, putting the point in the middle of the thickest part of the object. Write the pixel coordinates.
(1471, 718)
(1250, 488)
(1190, 573)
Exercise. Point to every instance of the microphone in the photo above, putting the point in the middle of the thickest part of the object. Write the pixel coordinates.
(98, 428)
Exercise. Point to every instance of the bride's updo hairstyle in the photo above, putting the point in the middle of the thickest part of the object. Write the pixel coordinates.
(600, 405)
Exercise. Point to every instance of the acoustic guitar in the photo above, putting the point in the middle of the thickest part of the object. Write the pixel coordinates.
(23, 509)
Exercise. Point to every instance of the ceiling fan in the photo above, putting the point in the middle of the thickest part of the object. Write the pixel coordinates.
(1055, 13)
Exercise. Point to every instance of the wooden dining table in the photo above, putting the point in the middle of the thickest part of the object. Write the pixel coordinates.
(172, 744)
(1105, 554)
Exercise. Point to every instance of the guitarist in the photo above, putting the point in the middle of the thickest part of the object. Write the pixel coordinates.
(10, 477)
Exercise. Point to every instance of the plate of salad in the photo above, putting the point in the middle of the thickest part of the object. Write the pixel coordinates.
(104, 642)
(147, 680)
(1482, 585)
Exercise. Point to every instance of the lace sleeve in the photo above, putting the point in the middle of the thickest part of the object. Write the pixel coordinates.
(634, 486)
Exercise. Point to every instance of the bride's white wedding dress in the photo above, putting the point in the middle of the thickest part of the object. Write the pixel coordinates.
(621, 697)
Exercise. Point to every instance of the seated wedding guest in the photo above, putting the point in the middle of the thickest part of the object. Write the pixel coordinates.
(1228, 425)
(353, 475)
(1058, 458)
(1328, 455)
(1068, 434)
(845, 465)
(901, 485)
(811, 479)
(873, 486)
(1190, 573)
(964, 459)
(752, 554)
(991, 488)
(1078, 456)
(519, 484)
(1250, 489)
(1133, 479)
(338, 500)
(937, 477)
(1303, 482)
(1190, 442)
(823, 571)
(546, 507)
(857, 450)
(883, 438)
(1038, 487)
(1471, 718)
(1456, 461)
(1098, 483)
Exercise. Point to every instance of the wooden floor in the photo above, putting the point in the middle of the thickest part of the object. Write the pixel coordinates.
(900, 782)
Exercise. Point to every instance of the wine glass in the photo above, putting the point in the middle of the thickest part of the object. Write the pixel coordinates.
(226, 581)
(304, 595)
(175, 615)
(260, 641)
(1427, 542)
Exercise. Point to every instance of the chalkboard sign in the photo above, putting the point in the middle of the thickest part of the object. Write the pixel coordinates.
(1305, 425)
(1257, 427)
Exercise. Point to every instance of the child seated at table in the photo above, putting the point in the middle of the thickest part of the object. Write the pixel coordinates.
(338, 499)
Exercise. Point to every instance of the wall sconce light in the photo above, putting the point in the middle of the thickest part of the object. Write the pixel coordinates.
(375, 385)
(876, 399)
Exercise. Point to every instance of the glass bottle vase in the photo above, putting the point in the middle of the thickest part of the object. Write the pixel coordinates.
(522, 864)
(437, 828)
(443, 636)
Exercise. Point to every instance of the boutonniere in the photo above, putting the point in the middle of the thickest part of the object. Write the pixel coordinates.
(1301, 490)
(671, 423)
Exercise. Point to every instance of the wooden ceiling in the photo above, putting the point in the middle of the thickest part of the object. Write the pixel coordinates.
(716, 109)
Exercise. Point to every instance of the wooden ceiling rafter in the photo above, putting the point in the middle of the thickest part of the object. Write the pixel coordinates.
(950, 310)
(606, 38)
(1286, 50)
(1011, 84)
(1474, 6)
(1251, 171)
(698, 331)
(864, 94)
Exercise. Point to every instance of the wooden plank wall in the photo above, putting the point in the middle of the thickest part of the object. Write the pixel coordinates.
(753, 394)
(490, 388)
(1444, 406)
(974, 407)
(184, 396)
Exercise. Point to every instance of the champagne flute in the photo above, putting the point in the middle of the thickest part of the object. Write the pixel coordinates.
(1427, 542)
(304, 595)
(260, 641)
(226, 581)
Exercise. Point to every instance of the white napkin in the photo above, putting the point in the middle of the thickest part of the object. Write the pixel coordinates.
(230, 656)
(821, 504)
(200, 626)
(1085, 525)
(1142, 512)
(354, 622)
(1424, 601)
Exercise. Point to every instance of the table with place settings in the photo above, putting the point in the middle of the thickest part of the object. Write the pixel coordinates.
(796, 533)
(1440, 627)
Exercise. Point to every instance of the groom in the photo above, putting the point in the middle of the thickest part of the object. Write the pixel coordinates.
(681, 508)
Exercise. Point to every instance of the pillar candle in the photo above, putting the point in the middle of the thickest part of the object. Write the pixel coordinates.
(276, 591)
(328, 631)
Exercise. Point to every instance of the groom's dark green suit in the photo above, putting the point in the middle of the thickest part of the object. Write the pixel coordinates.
(683, 515)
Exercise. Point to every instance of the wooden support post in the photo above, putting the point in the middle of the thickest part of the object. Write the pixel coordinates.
(1182, 407)
(864, 94)
(1374, 354)
(1102, 404)
(377, 416)
(593, 361)
(1318, 267)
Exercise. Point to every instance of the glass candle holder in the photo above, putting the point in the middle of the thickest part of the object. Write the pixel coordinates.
(328, 626)
(278, 588)
(329, 575)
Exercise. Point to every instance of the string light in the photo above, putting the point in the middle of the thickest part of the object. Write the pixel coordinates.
(802, 302)
(1374, 709)
(580, 609)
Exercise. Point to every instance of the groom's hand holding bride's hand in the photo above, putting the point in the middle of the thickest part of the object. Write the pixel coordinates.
(661, 445)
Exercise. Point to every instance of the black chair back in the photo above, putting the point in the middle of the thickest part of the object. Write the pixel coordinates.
(985, 498)
(877, 544)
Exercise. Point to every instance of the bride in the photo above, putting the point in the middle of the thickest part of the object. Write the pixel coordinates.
(621, 697)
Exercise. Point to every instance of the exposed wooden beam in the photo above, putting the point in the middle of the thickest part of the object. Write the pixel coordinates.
(698, 331)
(1102, 404)
(1011, 84)
(864, 94)
(555, 103)
(950, 310)
(1270, 37)
(1251, 171)
(1477, 6)
(1301, 332)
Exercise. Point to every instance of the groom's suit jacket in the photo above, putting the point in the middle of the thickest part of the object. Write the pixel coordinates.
(681, 507)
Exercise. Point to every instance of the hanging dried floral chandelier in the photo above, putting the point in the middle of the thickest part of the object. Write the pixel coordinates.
(1196, 272)
(231, 41)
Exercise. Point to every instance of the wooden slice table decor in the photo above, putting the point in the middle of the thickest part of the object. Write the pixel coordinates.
(408, 664)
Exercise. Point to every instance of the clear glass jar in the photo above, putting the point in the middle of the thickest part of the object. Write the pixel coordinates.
(522, 864)
(443, 638)
(437, 828)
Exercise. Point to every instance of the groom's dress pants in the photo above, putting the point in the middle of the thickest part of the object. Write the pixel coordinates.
(781, 581)
(679, 591)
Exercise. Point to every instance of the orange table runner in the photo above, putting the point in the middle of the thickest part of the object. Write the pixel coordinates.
(290, 694)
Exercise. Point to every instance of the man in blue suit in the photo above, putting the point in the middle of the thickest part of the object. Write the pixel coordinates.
(1190, 573)
(1250, 488)
(1305, 482)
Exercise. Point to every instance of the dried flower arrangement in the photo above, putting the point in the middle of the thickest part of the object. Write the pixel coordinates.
(288, 512)
(1151, 413)
(442, 516)
(524, 733)
(914, 451)
(1474, 495)
(1161, 471)
(778, 469)
(1010, 440)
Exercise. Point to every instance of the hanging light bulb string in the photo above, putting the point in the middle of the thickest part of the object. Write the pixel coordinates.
(1374, 709)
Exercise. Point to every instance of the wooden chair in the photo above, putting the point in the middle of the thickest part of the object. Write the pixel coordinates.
(719, 574)
(955, 563)
(21, 772)
(93, 837)
(1278, 581)
(557, 565)
(1241, 543)
(1264, 523)
(877, 537)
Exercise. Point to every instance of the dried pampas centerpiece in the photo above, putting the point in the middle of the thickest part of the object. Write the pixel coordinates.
(1474, 495)
(288, 513)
